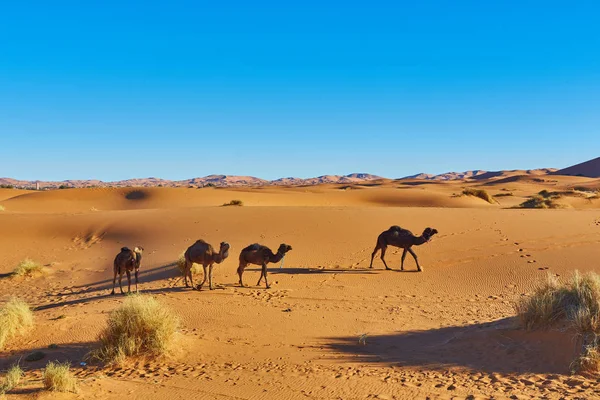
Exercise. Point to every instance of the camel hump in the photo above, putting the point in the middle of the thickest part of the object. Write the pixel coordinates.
(395, 228)
(125, 249)
(252, 247)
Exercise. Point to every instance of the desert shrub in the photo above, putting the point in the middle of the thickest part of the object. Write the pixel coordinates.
(141, 326)
(482, 194)
(540, 201)
(234, 203)
(27, 267)
(576, 304)
(15, 319)
(59, 378)
(503, 195)
(196, 269)
(7, 187)
(13, 377)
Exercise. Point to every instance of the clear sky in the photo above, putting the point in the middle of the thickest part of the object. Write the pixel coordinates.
(120, 89)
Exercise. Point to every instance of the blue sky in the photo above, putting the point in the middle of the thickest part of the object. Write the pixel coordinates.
(113, 90)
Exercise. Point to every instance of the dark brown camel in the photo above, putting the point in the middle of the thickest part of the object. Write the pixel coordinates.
(260, 255)
(204, 254)
(126, 261)
(403, 238)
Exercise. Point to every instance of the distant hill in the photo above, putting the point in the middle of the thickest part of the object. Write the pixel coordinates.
(479, 174)
(590, 169)
(210, 180)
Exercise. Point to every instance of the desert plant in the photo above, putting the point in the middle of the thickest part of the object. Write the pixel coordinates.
(576, 304)
(234, 203)
(141, 326)
(15, 319)
(27, 267)
(503, 194)
(540, 201)
(482, 194)
(196, 269)
(59, 378)
(13, 377)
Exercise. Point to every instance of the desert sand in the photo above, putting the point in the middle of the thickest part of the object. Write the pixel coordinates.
(447, 332)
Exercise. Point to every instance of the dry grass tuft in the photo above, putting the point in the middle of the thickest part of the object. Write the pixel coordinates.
(482, 194)
(2, 208)
(141, 326)
(27, 267)
(196, 268)
(59, 378)
(13, 377)
(543, 199)
(16, 318)
(575, 303)
(234, 203)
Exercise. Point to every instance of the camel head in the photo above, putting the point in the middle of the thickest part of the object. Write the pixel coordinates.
(223, 252)
(138, 249)
(428, 233)
(284, 248)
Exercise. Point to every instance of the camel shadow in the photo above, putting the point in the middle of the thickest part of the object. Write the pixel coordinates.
(162, 272)
(73, 353)
(305, 271)
(490, 347)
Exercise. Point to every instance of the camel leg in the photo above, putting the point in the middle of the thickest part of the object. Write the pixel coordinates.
(210, 284)
(374, 254)
(204, 279)
(240, 272)
(191, 278)
(187, 267)
(128, 281)
(403, 257)
(120, 278)
(416, 260)
(383, 249)
(264, 269)
(262, 273)
(114, 282)
(136, 279)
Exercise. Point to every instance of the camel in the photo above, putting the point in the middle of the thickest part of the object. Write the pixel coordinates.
(260, 255)
(126, 261)
(204, 254)
(403, 238)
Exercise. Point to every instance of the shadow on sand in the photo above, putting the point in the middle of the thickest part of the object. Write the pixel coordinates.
(73, 353)
(491, 347)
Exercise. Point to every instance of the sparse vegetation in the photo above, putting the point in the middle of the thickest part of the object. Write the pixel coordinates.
(234, 203)
(575, 303)
(15, 319)
(13, 377)
(27, 267)
(141, 326)
(503, 194)
(196, 269)
(59, 378)
(543, 199)
(482, 194)
(7, 187)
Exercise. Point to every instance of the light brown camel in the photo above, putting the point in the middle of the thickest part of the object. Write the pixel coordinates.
(126, 261)
(204, 254)
(260, 255)
(403, 238)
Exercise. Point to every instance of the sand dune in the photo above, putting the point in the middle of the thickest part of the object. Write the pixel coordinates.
(448, 332)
